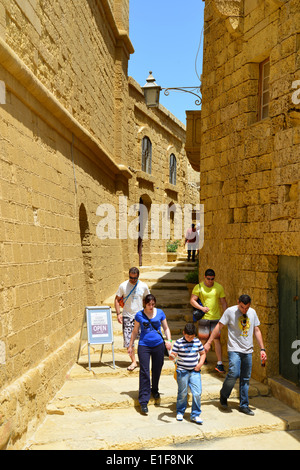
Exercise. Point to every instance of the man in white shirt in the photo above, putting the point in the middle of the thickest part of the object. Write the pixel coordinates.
(192, 239)
(132, 292)
(243, 323)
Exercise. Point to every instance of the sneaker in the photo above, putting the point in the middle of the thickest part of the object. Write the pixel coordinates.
(246, 411)
(223, 401)
(220, 368)
(179, 416)
(144, 409)
(197, 420)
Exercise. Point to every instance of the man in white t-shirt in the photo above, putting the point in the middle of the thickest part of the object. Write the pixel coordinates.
(132, 292)
(243, 324)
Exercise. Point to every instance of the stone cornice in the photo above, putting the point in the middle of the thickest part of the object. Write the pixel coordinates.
(120, 35)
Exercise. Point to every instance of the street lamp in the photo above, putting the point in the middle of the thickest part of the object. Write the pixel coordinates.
(152, 91)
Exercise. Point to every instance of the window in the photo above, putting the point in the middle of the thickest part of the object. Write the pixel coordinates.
(173, 165)
(264, 95)
(146, 155)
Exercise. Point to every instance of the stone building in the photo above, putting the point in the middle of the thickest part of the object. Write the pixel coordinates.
(249, 161)
(75, 139)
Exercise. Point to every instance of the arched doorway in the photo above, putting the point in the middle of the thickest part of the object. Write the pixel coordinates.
(144, 217)
(86, 256)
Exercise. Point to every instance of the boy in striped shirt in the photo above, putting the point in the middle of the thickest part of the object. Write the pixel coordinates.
(190, 355)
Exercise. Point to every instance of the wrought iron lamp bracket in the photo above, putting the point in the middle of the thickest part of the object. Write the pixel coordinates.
(190, 90)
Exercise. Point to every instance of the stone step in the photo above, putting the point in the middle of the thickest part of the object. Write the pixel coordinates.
(164, 299)
(286, 391)
(102, 366)
(162, 276)
(179, 314)
(275, 440)
(166, 285)
(95, 394)
(172, 314)
(176, 318)
(90, 422)
(171, 266)
(176, 326)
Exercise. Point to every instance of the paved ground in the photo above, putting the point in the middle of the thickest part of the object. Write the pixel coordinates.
(103, 414)
(98, 409)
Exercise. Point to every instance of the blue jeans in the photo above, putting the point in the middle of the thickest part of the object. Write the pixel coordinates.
(240, 366)
(186, 379)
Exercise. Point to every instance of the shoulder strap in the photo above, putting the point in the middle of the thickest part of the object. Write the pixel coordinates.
(159, 332)
(200, 301)
(130, 292)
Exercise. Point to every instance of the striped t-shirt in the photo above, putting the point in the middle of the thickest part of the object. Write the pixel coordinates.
(188, 353)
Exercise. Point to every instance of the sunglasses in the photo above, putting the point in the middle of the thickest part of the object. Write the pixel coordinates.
(210, 278)
(133, 278)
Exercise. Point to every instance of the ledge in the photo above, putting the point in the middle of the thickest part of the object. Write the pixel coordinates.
(285, 391)
(142, 175)
(171, 187)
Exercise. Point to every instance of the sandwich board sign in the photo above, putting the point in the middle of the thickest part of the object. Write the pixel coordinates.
(99, 328)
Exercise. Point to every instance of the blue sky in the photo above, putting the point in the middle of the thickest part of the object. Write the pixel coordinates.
(166, 35)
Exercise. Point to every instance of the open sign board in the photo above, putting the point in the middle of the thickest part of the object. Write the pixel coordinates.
(99, 325)
(99, 328)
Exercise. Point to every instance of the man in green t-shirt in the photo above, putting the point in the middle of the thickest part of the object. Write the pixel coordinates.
(211, 294)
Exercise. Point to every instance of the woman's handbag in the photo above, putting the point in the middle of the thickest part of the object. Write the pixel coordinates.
(198, 314)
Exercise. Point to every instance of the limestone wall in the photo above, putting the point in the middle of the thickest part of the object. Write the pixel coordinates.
(50, 270)
(70, 135)
(63, 66)
(250, 168)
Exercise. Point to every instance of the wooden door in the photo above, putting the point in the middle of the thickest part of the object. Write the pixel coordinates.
(289, 317)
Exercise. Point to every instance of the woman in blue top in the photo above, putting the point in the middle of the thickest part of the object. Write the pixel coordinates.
(151, 344)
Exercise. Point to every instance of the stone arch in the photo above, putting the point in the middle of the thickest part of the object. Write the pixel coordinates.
(87, 256)
(143, 133)
(144, 226)
(175, 217)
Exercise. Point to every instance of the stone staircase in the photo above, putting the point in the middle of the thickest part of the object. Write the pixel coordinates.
(99, 410)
